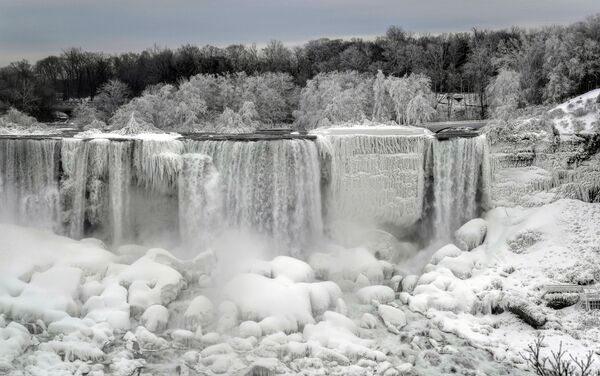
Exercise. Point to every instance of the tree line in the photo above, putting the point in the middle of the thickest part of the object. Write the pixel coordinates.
(548, 65)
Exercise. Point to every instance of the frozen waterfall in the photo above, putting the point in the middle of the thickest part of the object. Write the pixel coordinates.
(191, 191)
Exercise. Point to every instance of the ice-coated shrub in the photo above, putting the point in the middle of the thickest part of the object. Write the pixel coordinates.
(561, 300)
(523, 241)
(333, 98)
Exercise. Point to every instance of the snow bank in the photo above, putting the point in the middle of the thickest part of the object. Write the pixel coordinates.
(292, 268)
(577, 115)
(25, 249)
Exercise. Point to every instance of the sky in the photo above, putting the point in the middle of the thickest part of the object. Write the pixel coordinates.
(33, 29)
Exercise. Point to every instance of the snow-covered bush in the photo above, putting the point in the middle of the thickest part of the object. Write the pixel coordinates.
(111, 96)
(523, 240)
(411, 98)
(504, 93)
(335, 97)
(14, 118)
(164, 107)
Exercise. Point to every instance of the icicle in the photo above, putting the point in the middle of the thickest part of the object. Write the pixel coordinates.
(157, 164)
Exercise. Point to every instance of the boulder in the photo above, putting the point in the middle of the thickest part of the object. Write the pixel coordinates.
(471, 235)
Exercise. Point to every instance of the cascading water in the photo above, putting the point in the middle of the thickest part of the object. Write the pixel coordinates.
(460, 182)
(28, 182)
(119, 181)
(191, 190)
(271, 187)
(74, 157)
(200, 201)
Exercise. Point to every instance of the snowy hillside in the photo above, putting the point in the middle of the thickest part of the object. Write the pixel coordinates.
(578, 115)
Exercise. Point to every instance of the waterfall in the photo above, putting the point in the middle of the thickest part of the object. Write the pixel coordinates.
(189, 191)
(271, 187)
(119, 182)
(460, 180)
(74, 157)
(200, 201)
(28, 182)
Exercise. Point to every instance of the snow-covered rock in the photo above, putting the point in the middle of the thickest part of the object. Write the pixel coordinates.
(471, 234)
(259, 297)
(155, 318)
(449, 250)
(250, 329)
(392, 317)
(378, 293)
(200, 312)
(292, 268)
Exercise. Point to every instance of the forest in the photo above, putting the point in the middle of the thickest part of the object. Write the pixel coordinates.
(399, 77)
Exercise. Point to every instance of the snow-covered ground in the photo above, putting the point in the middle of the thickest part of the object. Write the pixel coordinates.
(74, 307)
(578, 115)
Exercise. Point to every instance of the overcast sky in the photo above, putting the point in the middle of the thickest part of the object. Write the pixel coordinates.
(33, 29)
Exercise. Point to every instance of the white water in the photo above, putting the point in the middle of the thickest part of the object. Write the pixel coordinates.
(458, 173)
(124, 191)
(119, 181)
(200, 201)
(28, 182)
(74, 157)
(271, 187)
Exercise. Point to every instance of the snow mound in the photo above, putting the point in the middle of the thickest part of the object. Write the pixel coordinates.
(449, 250)
(14, 340)
(292, 268)
(393, 318)
(162, 281)
(155, 318)
(259, 298)
(471, 234)
(26, 250)
(380, 294)
(345, 265)
(199, 313)
(440, 289)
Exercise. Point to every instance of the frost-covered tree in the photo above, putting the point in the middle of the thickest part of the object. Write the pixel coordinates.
(419, 110)
(111, 96)
(504, 93)
(558, 68)
(381, 110)
(236, 122)
(85, 115)
(164, 107)
(333, 98)
(403, 90)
